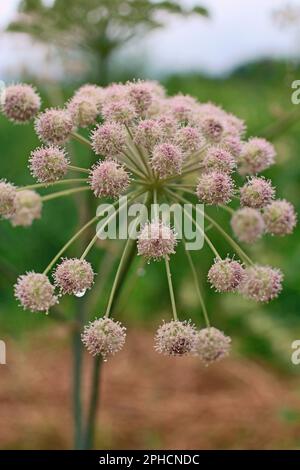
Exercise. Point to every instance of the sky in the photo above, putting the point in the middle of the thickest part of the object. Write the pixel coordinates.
(238, 31)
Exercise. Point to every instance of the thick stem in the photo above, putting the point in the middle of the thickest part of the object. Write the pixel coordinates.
(93, 405)
(77, 371)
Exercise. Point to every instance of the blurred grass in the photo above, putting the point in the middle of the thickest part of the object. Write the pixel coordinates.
(258, 93)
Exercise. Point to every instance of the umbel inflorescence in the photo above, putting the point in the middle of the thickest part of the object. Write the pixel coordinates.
(169, 149)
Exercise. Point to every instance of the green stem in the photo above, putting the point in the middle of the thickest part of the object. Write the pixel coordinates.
(130, 242)
(110, 218)
(67, 192)
(198, 290)
(139, 171)
(171, 290)
(207, 239)
(140, 153)
(81, 139)
(234, 245)
(77, 168)
(77, 234)
(227, 209)
(55, 183)
(118, 274)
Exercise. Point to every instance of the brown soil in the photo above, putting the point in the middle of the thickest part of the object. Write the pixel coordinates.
(146, 401)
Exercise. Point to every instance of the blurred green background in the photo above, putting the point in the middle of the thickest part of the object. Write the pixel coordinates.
(258, 92)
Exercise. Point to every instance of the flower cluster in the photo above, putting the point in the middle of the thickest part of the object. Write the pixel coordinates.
(164, 149)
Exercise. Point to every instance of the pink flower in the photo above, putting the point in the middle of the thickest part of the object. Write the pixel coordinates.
(156, 240)
(20, 103)
(73, 276)
(166, 160)
(48, 164)
(211, 345)
(35, 292)
(215, 188)
(108, 179)
(257, 155)
(175, 338)
(257, 193)
(225, 275)
(280, 217)
(261, 283)
(104, 337)
(54, 126)
(248, 224)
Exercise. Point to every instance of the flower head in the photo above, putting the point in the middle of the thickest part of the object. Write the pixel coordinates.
(140, 94)
(215, 187)
(28, 207)
(225, 275)
(166, 160)
(233, 144)
(48, 164)
(121, 111)
(108, 179)
(54, 126)
(109, 139)
(234, 125)
(212, 128)
(104, 336)
(175, 338)
(220, 159)
(148, 133)
(168, 126)
(257, 154)
(257, 193)
(73, 276)
(156, 240)
(35, 292)
(189, 139)
(83, 110)
(7, 199)
(181, 107)
(115, 92)
(211, 345)
(20, 103)
(261, 283)
(280, 217)
(247, 224)
(92, 92)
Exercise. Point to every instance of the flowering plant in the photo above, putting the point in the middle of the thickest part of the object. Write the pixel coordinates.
(159, 148)
(164, 147)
